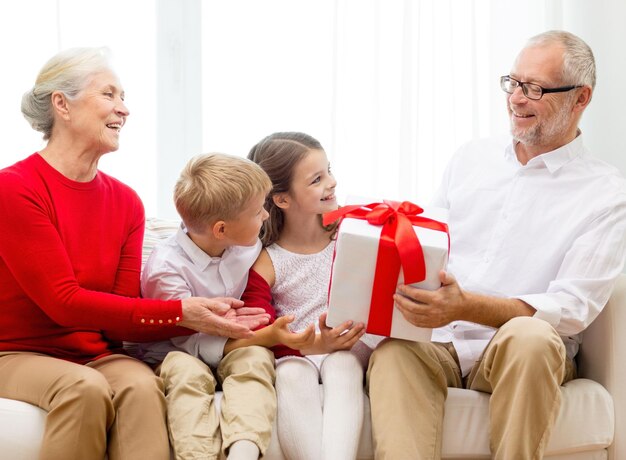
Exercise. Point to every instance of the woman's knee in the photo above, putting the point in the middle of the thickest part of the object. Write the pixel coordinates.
(86, 390)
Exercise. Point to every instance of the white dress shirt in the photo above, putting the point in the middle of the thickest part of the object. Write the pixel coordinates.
(178, 269)
(551, 233)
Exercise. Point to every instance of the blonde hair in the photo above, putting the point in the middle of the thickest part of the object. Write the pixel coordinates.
(215, 187)
(69, 72)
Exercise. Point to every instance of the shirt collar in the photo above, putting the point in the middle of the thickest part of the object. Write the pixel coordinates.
(197, 255)
(555, 159)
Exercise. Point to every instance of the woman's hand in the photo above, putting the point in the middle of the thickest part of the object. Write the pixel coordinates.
(221, 316)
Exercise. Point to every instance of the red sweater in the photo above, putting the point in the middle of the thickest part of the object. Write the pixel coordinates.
(259, 294)
(70, 260)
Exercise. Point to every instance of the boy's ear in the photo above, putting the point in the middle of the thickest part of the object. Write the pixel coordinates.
(219, 229)
(281, 200)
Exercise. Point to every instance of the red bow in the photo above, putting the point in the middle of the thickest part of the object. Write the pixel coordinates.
(399, 246)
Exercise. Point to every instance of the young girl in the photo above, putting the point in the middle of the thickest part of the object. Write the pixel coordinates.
(295, 268)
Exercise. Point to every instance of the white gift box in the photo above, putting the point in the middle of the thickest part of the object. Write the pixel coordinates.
(354, 268)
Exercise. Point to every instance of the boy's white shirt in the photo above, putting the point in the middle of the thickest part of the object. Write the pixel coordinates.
(178, 269)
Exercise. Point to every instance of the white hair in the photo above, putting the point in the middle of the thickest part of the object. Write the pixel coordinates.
(68, 72)
(579, 65)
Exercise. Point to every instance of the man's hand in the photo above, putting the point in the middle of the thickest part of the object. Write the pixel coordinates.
(216, 316)
(294, 340)
(432, 308)
(451, 303)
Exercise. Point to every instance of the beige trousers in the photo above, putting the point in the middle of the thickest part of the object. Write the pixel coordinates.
(113, 406)
(248, 406)
(522, 367)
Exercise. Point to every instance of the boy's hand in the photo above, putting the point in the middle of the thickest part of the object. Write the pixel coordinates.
(294, 340)
(342, 337)
(215, 317)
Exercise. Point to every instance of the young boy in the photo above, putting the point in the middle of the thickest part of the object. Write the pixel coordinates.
(220, 199)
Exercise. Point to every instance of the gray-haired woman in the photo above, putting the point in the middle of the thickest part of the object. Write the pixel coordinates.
(70, 256)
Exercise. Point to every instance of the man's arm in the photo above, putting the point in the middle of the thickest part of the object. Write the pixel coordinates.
(450, 303)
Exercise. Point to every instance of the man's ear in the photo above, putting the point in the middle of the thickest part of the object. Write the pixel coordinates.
(60, 105)
(583, 99)
(282, 200)
(219, 229)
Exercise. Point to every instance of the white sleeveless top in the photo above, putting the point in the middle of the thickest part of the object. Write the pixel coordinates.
(301, 284)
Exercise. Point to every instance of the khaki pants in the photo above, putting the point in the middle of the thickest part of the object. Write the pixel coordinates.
(113, 406)
(522, 367)
(248, 406)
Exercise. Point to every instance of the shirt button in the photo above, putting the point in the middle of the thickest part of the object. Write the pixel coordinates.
(169, 321)
(143, 320)
(160, 321)
(151, 321)
(178, 318)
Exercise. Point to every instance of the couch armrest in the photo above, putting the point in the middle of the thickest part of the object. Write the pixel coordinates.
(602, 358)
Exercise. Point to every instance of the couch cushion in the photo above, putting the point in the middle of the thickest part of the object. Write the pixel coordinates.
(21, 430)
(156, 230)
(585, 421)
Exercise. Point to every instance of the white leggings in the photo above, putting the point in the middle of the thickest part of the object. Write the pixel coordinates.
(315, 426)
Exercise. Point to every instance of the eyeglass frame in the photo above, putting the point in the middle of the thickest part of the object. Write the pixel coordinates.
(524, 86)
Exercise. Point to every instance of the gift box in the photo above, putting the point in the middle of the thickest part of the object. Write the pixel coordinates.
(380, 245)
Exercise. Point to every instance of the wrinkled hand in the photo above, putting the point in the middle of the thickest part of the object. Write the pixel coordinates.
(294, 340)
(252, 317)
(342, 337)
(216, 316)
(432, 308)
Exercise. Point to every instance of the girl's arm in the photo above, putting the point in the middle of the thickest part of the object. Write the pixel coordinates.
(258, 294)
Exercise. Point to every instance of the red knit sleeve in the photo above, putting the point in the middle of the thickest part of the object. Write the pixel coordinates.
(259, 294)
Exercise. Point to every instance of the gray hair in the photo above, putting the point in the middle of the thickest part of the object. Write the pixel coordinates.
(68, 72)
(579, 65)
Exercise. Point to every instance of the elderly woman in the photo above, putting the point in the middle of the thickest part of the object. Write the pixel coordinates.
(70, 256)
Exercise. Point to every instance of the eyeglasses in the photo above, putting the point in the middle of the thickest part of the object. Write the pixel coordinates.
(530, 90)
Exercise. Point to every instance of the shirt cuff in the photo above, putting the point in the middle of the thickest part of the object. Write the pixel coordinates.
(208, 348)
(547, 308)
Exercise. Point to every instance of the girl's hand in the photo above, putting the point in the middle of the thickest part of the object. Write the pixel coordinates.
(294, 340)
(342, 337)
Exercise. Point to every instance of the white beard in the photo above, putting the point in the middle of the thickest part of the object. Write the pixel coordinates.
(542, 133)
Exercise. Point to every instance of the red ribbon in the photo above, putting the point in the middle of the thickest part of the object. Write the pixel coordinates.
(398, 247)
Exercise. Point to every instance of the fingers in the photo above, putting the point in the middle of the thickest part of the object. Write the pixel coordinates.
(322, 322)
(253, 321)
(299, 340)
(244, 311)
(230, 301)
(283, 321)
(446, 278)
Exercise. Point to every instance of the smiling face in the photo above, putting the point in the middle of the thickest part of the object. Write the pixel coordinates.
(312, 188)
(550, 122)
(98, 113)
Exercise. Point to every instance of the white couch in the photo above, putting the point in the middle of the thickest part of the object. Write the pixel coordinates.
(591, 423)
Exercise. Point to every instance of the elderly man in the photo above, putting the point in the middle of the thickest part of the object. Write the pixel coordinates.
(537, 230)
